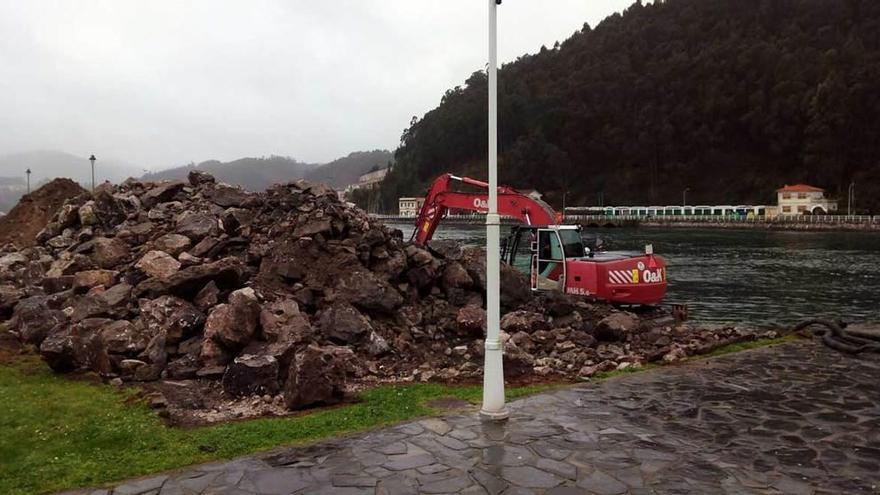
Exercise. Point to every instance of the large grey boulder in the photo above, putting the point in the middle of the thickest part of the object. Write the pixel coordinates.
(344, 324)
(172, 243)
(124, 337)
(33, 319)
(225, 273)
(523, 321)
(617, 326)
(197, 226)
(316, 377)
(158, 264)
(108, 253)
(281, 321)
(249, 375)
(233, 325)
(366, 291)
(177, 318)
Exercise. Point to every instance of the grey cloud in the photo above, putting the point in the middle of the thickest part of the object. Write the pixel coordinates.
(162, 83)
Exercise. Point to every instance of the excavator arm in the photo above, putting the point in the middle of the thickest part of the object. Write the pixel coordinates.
(511, 203)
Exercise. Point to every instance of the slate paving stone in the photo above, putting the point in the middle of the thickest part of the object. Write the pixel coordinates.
(391, 448)
(378, 471)
(558, 468)
(397, 485)
(530, 477)
(408, 461)
(493, 485)
(507, 455)
(795, 419)
(432, 469)
(565, 490)
(280, 481)
(452, 443)
(140, 487)
(550, 451)
(449, 485)
(436, 425)
(601, 483)
(357, 481)
(461, 434)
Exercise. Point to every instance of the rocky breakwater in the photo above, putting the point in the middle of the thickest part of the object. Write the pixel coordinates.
(230, 302)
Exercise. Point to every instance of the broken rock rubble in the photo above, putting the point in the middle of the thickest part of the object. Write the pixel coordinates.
(291, 293)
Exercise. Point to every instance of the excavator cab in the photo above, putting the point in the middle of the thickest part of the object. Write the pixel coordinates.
(540, 252)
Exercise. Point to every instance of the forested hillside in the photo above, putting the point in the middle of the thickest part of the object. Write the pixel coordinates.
(729, 98)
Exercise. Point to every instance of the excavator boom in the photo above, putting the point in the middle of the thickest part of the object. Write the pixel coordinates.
(511, 203)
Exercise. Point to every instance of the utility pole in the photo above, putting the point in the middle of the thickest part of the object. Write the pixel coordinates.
(493, 370)
(28, 173)
(92, 159)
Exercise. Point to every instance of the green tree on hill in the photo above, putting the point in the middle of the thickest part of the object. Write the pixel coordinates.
(730, 98)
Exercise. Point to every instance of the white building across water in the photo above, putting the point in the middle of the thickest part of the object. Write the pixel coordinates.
(409, 207)
(801, 199)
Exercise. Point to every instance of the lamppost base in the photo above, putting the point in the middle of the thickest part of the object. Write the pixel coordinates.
(501, 415)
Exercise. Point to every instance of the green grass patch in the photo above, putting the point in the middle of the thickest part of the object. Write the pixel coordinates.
(60, 434)
(745, 346)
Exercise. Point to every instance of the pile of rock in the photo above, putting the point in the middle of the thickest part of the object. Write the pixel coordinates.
(288, 293)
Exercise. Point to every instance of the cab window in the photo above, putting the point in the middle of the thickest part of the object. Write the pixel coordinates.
(522, 254)
(572, 243)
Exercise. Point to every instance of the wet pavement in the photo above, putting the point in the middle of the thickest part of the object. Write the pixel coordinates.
(794, 419)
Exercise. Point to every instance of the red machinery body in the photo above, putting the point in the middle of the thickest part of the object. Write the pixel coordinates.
(553, 256)
(619, 280)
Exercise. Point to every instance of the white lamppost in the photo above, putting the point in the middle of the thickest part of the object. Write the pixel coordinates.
(28, 173)
(92, 159)
(493, 370)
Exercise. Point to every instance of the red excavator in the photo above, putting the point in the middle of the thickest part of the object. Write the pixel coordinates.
(552, 255)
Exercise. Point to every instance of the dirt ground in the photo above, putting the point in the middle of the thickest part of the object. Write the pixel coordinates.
(34, 211)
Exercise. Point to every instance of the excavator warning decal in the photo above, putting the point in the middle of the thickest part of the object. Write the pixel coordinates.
(634, 276)
(621, 277)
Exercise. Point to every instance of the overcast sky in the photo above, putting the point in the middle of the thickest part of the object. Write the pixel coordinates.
(161, 83)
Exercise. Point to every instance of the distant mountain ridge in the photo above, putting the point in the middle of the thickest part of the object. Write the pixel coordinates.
(250, 173)
(346, 170)
(257, 174)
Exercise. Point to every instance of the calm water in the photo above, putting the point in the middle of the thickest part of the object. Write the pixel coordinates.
(748, 275)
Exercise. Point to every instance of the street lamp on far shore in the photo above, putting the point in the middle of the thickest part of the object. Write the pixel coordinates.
(92, 159)
(28, 173)
(684, 197)
(851, 198)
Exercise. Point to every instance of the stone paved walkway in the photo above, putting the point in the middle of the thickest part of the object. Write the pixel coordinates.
(796, 419)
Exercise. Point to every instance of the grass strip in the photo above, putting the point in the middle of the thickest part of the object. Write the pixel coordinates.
(59, 433)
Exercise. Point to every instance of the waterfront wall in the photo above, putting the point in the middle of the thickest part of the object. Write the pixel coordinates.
(804, 223)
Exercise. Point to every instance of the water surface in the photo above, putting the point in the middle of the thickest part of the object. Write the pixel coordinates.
(751, 276)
